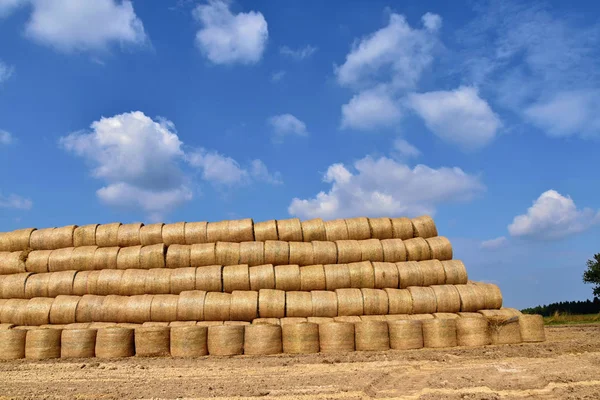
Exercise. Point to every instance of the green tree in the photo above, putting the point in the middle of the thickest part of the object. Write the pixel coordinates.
(592, 274)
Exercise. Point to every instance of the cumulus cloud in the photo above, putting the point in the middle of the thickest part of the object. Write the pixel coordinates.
(459, 116)
(553, 216)
(405, 150)
(5, 137)
(494, 244)
(286, 125)
(6, 71)
(298, 54)
(385, 187)
(15, 202)
(370, 109)
(227, 38)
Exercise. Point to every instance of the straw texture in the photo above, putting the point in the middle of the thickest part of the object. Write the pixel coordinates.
(406, 334)
(227, 253)
(347, 318)
(16, 240)
(195, 232)
(82, 258)
(13, 286)
(115, 342)
(60, 260)
(12, 262)
(189, 341)
(399, 301)
(88, 308)
(37, 311)
(13, 311)
(266, 230)
(107, 235)
(252, 253)
(348, 251)
(190, 306)
(372, 336)
(129, 235)
(262, 277)
(362, 275)
(129, 258)
(292, 320)
(133, 282)
(78, 343)
(358, 228)
(298, 304)
(217, 306)
(375, 301)
(472, 332)
(272, 321)
(440, 248)
(336, 337)
(337, 276)
(301, 253)
(350, 302)
(183, 279)
(300, 338)
(504, 329)
(381, 228)
(409, 274)
(241, 230)
(287, 277)
(289, 230)
(423, 300)
(151, 234)
(312, 277)
(164, 308)
(173, 233)
(64, 310)
(203, 254)
(36, 286)
(236, 277)
(424, 227)
(386, 275)
(42, 344)
(433, 272)
(209, 278)
(447, 298)
(244, 305)
(472, 298)
(402, 228)
(324, 252)
(336, 230)
(262, 339)
(40, 239)
(12, 344)
(112, 307)
(138, 309)
(277, 252)
(371, 250)
(37, 261)
(61, 283)
(417, 249)
(178, 256)
(217, 231)
(319, 320)
(106, 258)
(85, 235)
(271, 303)
(108, 282)
(394, 250)
(158, 281)
(493, 295)
(324, 303)
(152, 341)
(456, 273)
(532, 328)
(62, 237)
(439, 333)
(313, 230)
(225, 340)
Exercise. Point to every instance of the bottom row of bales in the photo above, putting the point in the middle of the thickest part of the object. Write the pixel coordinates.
(266, 339)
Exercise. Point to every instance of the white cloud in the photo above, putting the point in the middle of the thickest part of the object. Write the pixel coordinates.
(405, 150)
(5, 137)
(8, 6)
(299, 54)
(432, 22)
(494, 244)
(553, 216)
(260, 172)
(15, 202)
(386, 187)
(227, 38)
(6, 71)
(277, 76)
(285, 125)
(459, 116)
(370, 109)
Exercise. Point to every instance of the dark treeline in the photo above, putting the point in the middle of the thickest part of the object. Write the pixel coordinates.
(568, 307)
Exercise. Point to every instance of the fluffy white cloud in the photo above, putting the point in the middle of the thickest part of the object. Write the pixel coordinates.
(553, 216)
(227, 38)
(370, 109)
(459, 116)
(5, 137)
(6, 71)
(386, 187)
(286, 124)
(494, 244)
(16, 202)
(405, 150)
(299, 54)
(432, 22)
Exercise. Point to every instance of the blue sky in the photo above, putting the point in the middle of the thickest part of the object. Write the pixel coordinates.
(484, 114)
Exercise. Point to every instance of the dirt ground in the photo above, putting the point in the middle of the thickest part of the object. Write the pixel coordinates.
(567, 366)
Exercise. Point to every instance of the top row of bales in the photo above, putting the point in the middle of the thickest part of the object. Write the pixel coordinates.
(236, 231)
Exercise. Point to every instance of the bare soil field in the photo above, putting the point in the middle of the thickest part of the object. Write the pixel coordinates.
(566, 366)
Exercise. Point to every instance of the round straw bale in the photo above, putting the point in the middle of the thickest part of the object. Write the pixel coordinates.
(209, 278)
(348, 251)
(85, 235)
(138, 309)
(375, 301)
(160, 324)
(40, 239)
(60, 260)
(25, 327)
(447, 298)
(324, 303)
(92, 281)
(433, 272)
(493, 295)
(445, 315)
(424, 227)
(158, 281)
(336, 337)
(287, 277)
(209, 323)
(372, 336)
(133, 282)
(109, 281)
(112, 309)
(151, 234)
(510, 312)
(336, 230)
(107, 235)
(371, 250)
(133, 326)
(409, 274)
(262, 339)
(64, 309)
(423, 300)
(16, 240)
(312, 277)
(456, 273)
(77, 325)
(350, 302)
(129, 235)
(406, 334)
(61, 283)
(347, 318)
(532, 328)
(82, 258)
(115, 342)
(394, 250)
(400, 301)
(190, 306)
(402, 228)
(227, 253)
(367, 318)
(386, 275)
(272, 321)
(324, 252)
(129, 257)
(470, 315)
(301, 253)
(472, 332)
(289, 230)
(152, 341)
(225, 340)
(504, 329)
(361, 275)
(277, 252)
(13, 286)
(271, 303)
(440, 248)
(62, 237)
(244, 305)
(313, 229)
(300, 338)
(78, 343)
(89, 308)
(153, 256)
(53, 326)
(12, 344)
(217, 232)
(298, 304)
(252, 253)
(37, 311)
(396, 317)
(37, 285)
(217, 306)
(195, 232)
(12, 262)
(266, 230)
(106, 258)
(358, 228)
(472, 298)
(42, 344)
(183, 279)
(189, 341)
(37, 261)
(337, 276)
(240, 230)
(13, 311)
(292, 320)
(439, 333)
(381, 228)
(236, 277)
(178, 256)
(102, 325)
(164, 308)
(173, 233)
(262, 277)
(417, 249)
(319, 320)
(181, 323)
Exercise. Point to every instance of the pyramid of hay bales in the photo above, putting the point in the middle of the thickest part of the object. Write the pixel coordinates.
(239, 287)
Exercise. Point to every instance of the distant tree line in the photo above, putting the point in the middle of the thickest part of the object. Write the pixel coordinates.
(566, 307)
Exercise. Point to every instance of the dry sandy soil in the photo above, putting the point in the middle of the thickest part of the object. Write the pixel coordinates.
(567, 366)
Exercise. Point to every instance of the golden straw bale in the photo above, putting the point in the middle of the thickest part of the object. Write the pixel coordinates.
(153, 256)
(456, 273)
(324, 303)
(189, 341)
(300, 338)
(423, 300)
(402, 228)
(262, 277)
(37, 311)
(41, 239)
(183, 279)
(394, 250)
(151, 234)
(447, 298)
(53, 326)
(225, 340)
(368, 318)
(106, 258)
(42, 344)
(472, 332)
(271, 303)
(209, 278)
(61, 283)
(348, 251)
(312, 277)
(532, 328)
(381, 228)
(272, 321)
(78, 343)
(347, 318)
(151, 324)
(440, 248)
(424, 227)
(371, 250)
(13, 286)
(37, 285)
(133, 282)
(336, 337)
(350, 302)
(319, 320)
(298, 304)
(64, 310)
(16, 240)
(190, 306)
(336, 230)
(244, 305)
(262, 339)
(101, 325)
(472, 298)
(61, 260)
(12, 344)
(433, 272)
(129, 235)
(6, 326)
(158, 281)
(504, 329)
(439, 333)
(210, 323)
(217, 306)
(109, 282)
(37, 261)
(173, 233)
(324, 252)
(112, 309)
(63, 237)
(493, 295)
(266, 230)
(358, 228)
(107, 235)
(292, 320)
(301, 253)
(181, 323)
(445, 315)
(129, 257)
(277, 252)
(152, 341)
(195, 232)
(470, 315)
(77, 325)
(337, 276)
(115, 342)
(399, 301)
(417, 249)
(372, 336)
(289, 230)
(313, 229)
(85, 235)
(217, 232)
(396, 317)
(252, 253)
(178, 256)
(409, 274)
(386, 275)
(405, 334)
(138, 309)
(236, 277)
(13, 262)
(13, 311)
(241, 230)
(287, 277)
(82, 258)
(164, 308)
(227, 253)
(375, 301)
(89, 308)
(361, 275)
